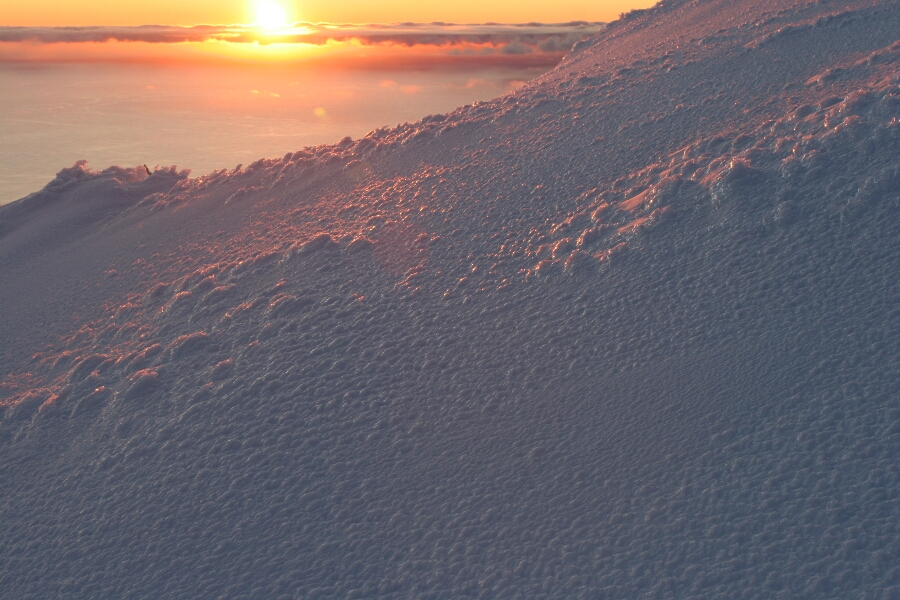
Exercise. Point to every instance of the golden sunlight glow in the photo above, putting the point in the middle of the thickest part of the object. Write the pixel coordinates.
(46, 13)
(270, 14)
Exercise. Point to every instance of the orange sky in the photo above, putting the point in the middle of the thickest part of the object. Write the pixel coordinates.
(191, 12)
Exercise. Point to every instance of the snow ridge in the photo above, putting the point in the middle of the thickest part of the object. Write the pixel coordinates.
(629, 331)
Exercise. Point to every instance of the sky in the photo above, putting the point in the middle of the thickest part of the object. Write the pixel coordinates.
(179, 12)
(175, 31)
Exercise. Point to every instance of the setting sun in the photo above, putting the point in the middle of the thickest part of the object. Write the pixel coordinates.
(270, 14)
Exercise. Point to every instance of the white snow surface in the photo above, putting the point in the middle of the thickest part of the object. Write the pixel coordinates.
(631, 331)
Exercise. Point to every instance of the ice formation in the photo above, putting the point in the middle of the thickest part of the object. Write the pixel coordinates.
(631, 331)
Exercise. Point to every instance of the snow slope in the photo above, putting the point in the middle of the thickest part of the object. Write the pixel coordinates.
(631, 331)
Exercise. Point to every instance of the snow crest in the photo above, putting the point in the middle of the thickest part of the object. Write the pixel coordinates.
(629, 331)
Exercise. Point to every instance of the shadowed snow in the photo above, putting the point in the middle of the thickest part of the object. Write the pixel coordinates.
(629, 331)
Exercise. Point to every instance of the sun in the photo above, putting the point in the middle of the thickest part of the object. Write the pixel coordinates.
(270, 14)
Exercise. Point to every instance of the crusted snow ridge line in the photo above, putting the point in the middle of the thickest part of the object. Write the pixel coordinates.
(765, 180)
(630, 331)
(77, 199)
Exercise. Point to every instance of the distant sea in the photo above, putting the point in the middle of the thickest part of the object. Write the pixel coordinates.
(202, 117)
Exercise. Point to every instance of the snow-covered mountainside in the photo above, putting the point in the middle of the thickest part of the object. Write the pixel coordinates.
(629, 332)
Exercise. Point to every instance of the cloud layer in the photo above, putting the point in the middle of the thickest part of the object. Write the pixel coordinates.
(508, 39)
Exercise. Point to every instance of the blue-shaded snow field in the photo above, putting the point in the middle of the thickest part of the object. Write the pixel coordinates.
(628, 332)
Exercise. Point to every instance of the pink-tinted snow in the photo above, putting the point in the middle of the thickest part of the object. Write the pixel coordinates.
(630, 331)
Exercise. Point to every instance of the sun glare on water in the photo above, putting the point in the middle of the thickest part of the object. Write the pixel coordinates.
(270, 14)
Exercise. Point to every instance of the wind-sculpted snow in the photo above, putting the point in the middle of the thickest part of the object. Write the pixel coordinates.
(631, 331)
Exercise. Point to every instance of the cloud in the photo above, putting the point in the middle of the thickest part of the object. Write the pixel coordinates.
(476, 83)
(153, 34)
(516, 48)
(507, 39)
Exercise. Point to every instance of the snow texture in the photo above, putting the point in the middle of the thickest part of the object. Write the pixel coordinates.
(631, 331)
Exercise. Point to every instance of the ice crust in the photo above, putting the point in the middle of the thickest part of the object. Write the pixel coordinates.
(631, 331)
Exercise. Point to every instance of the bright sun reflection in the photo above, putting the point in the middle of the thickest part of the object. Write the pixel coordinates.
(270, 14)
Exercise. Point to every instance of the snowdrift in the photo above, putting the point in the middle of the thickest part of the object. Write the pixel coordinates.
(631, 331)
